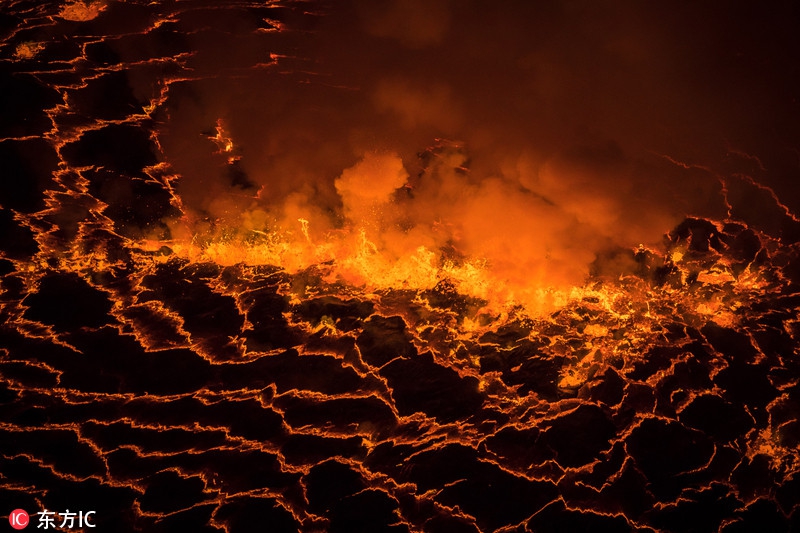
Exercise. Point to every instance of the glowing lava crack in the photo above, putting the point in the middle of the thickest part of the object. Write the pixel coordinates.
(367, 336)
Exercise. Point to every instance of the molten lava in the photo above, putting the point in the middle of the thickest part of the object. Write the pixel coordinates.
(399, 266)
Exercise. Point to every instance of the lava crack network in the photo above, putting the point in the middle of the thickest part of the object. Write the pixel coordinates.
(251, 280)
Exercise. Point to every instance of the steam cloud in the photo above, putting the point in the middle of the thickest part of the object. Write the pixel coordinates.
(567, 128)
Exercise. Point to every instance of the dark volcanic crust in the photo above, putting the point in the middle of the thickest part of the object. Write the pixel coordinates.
(168, 395)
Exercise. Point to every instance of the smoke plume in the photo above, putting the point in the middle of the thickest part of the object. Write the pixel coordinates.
(532, 136)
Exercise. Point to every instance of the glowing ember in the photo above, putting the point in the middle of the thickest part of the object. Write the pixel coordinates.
(82, 11)
(28, 50)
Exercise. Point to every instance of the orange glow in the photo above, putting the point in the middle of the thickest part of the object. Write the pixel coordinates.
(28, 50)
(508, 250)
(408, 265)
(224, 142)
(82, 11)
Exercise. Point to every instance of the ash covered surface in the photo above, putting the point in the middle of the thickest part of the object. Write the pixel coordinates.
(168, 392)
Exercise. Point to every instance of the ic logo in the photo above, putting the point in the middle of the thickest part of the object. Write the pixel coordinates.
(19, 519)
